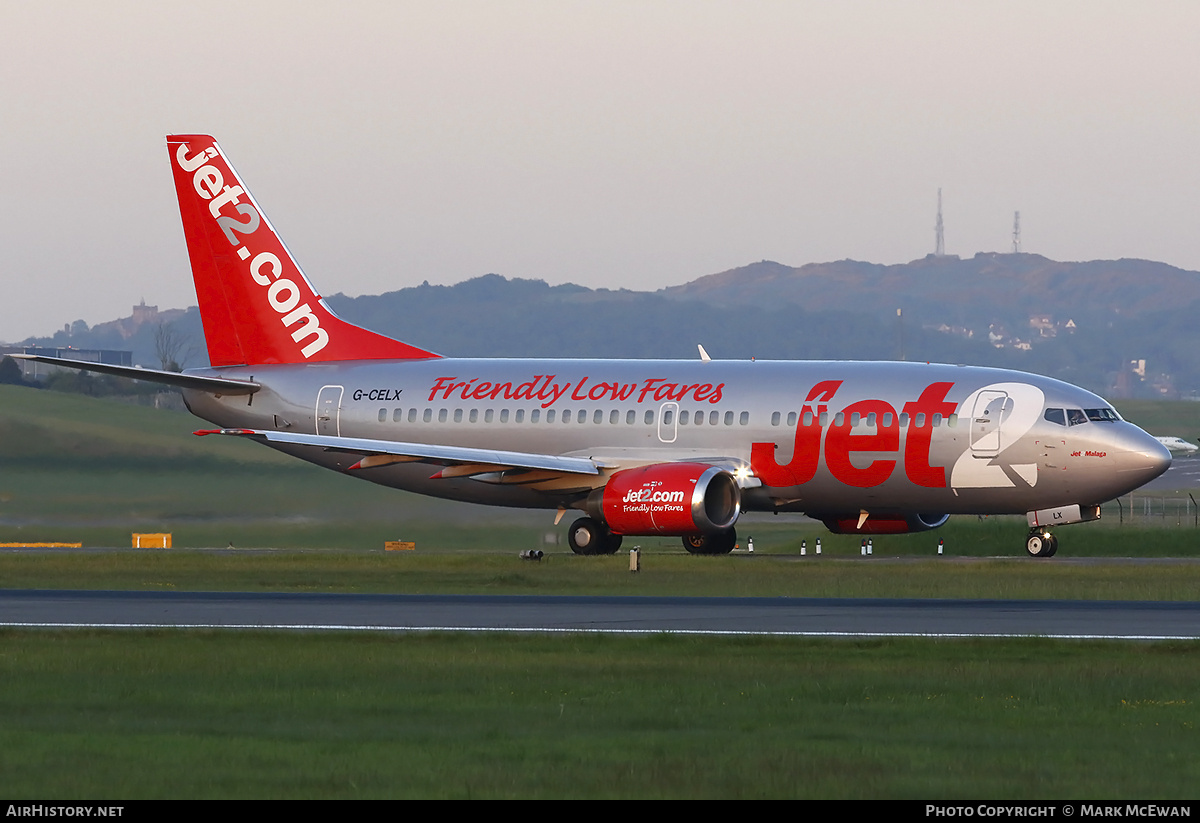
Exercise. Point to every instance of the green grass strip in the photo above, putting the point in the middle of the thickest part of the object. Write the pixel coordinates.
(213, 714)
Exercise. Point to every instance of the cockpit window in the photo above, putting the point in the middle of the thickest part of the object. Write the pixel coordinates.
(1102, 415)
(1075, 417)
(1056, 416)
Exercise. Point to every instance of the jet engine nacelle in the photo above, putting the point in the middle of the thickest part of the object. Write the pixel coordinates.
(668, 499)
(884, 524)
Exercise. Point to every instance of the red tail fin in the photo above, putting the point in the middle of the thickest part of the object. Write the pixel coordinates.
(256, 303)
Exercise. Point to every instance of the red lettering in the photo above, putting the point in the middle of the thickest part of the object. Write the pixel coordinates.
(665, 391)
(525, 390)
(501, 388)
(648, 387)
(916, 444)
(840, 444)
(575, 395)
(541, 395)
(624, 392)
(443, 383)
(806, 452)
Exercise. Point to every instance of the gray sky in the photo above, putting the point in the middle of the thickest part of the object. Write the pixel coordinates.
(616, 144)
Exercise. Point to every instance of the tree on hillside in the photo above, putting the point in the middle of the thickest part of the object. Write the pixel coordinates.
(172, 347)
(10, 373)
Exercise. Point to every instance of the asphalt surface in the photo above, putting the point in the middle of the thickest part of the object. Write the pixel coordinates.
(820, 617)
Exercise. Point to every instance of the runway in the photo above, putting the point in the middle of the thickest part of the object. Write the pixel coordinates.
(806, 617)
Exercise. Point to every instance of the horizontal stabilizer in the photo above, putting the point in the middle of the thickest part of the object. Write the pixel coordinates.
(216, 385)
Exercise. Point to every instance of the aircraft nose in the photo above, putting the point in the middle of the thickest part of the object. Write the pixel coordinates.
(1142, 457)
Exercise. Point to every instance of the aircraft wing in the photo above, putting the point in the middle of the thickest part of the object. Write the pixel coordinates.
(217, 385)
(461, 460)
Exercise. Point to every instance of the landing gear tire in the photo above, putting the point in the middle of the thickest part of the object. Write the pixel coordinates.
(1041, 544)
(588, 536)
(719, 543)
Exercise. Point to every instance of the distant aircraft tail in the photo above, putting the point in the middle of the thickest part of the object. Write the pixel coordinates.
(256, 303)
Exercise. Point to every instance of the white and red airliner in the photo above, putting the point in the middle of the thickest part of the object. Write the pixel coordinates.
(637, 447)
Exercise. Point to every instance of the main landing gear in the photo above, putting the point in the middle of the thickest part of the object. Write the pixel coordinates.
(719, 543)
(588, 536)
(1041, 543)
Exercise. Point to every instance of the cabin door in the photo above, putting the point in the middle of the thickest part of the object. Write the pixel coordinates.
(329, 410)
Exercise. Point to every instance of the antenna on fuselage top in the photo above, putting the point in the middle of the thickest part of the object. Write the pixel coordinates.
(703, 354)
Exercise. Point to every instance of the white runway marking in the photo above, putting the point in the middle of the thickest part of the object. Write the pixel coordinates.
(544, 630)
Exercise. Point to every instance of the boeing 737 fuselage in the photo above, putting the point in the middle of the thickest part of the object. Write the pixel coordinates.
(638, 447)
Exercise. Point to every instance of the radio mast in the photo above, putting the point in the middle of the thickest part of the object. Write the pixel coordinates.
(940, 245)
(1016, 232)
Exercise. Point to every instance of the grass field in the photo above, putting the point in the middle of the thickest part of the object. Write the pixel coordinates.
(563, 573)
(179, 714)
(200, 714)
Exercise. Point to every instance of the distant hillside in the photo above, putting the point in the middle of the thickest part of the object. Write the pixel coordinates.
(972, 292)
(1081, 322)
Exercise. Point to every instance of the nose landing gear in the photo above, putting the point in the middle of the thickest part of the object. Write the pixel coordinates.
(1041, 543)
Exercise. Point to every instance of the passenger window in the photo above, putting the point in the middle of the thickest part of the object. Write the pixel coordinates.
(728, 418)
(871, 419)
(458, 415)
(808, 418)
(839, 419)
(855, 419)
(428, 416)
(473, 417)
(937, 419)
(630, 417)
(412, 415)
(614, 417)
(549, 416)
(683, 417)
(699, 421)
(504, 415)
(520, 416)
(442, 414)
(566, 416)
(383, 415)
(744, 418)
(903, 420)
(887, 420)
(535, 415)
(919, 420)
(668, 416)
(649, 417)
(713, 417)
(598, 416)
(487, 416)
(952, 421)
(775, 418)
(792, 418)
(1057, 416)
(397, 415)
